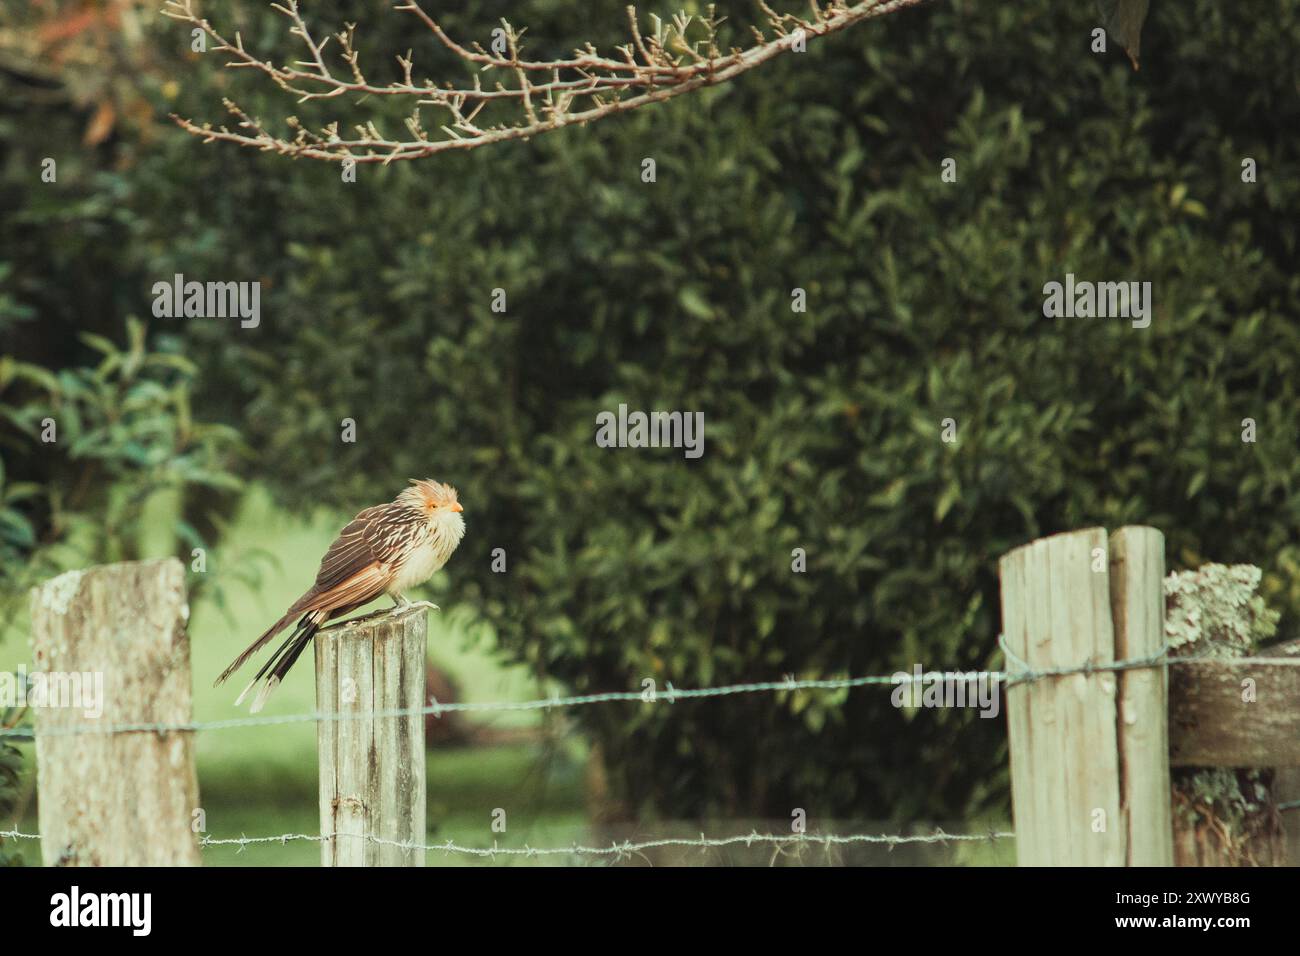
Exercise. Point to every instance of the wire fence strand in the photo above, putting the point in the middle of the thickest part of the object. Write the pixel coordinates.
(670, 694)
(616, 850)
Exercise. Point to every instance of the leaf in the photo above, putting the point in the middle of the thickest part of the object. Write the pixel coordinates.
(1123, 21)
(891, 496)
(694, 302)
(41, 377)
(16, 529)
(949, 498)
(20, 490)
(99, 343)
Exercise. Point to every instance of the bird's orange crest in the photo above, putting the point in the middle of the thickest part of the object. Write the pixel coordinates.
(429, 494)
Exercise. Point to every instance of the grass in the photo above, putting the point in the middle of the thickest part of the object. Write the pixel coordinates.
(541, 797)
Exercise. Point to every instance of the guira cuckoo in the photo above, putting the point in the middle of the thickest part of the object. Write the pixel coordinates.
(387, 549)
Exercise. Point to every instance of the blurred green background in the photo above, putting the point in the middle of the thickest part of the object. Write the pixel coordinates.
(819, 171)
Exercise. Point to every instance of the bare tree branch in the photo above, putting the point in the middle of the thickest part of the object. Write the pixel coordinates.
(676, 57)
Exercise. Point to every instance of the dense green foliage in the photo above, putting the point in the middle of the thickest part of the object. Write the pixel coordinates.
(11, 767)
(820, 171)
(95, 443)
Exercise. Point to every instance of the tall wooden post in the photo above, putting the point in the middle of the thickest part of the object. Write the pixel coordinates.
(119, 799)
(372, 783)
(1137, 573)
(1089, 752)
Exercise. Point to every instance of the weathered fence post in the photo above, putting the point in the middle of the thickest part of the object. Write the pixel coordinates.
(1137, 573)
(110, 647)
(1064, 739)
(372, 784)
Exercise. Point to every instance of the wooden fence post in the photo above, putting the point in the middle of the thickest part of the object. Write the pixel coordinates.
(1137, 573)
(121, 799)
(372, 783)
(1062, 730)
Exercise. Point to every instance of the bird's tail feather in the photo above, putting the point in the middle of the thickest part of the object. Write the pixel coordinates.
(258, 644)
(269, 661)
(284, 658)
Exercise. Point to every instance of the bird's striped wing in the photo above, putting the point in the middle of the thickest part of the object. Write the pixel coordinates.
(355, 570)
(361, 587)
(359, 564)
(350, 552)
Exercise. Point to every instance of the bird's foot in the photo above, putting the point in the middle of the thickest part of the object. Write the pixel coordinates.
(410, 605)
(402, 603)
(355, 620)
(382, 612)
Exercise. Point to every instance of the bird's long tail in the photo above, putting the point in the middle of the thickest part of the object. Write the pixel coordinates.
(284, 658)
(297, 609)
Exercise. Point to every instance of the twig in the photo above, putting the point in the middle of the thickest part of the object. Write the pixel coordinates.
(576, 90)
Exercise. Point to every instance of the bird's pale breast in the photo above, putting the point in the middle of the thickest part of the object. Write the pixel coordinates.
(429, 554)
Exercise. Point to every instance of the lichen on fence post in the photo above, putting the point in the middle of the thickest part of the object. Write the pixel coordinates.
(1223, 816)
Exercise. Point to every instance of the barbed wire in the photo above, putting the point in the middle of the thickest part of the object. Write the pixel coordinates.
(1024, 674)
(617, 849)
(670, 695)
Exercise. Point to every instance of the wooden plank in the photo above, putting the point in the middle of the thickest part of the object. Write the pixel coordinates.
(1096, 698)
(372, 768)
(1211, 725)
(1137, 570)
(399, 683)
(1062, 730)
(327, 742)
(1052, 646)
(354, 736)
(1020, 703)
(122, 799)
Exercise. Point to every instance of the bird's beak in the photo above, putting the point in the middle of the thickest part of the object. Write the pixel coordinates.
(455, 506)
